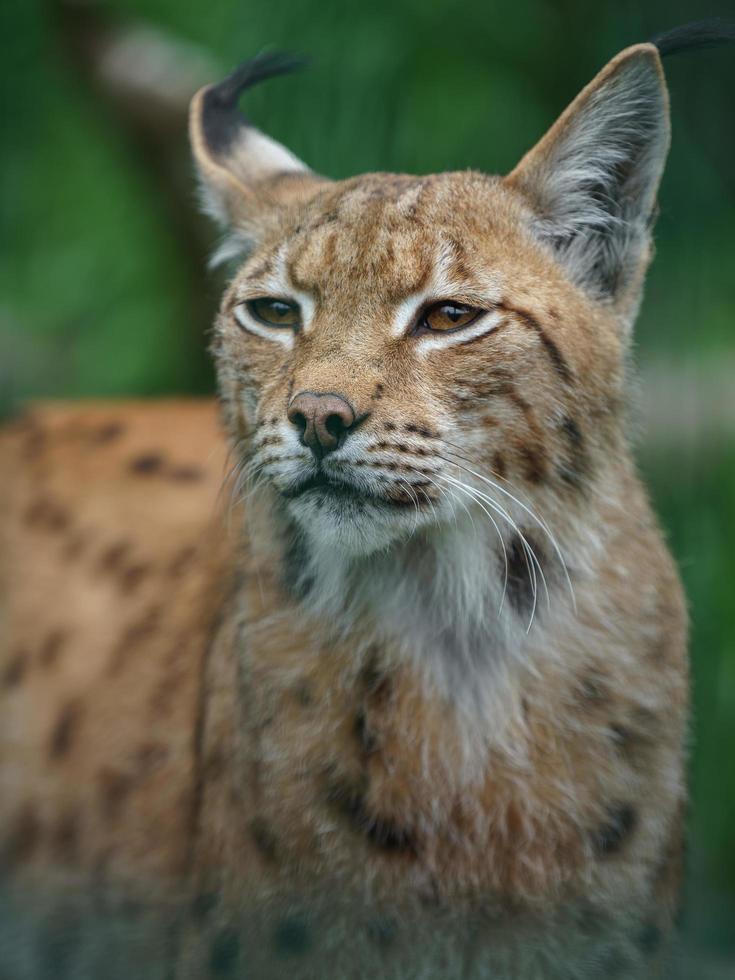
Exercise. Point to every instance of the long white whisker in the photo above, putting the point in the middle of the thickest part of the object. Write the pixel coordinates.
(417, 512)
(532, 560)
(535, 517)
(468, 491)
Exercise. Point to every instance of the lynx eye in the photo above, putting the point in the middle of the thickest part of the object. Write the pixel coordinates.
(443, 317)
(274, 312)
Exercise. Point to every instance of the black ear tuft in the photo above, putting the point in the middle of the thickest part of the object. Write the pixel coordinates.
(699, 34)
(221, 119)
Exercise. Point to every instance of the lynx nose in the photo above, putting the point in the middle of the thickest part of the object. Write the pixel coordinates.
(323, 421)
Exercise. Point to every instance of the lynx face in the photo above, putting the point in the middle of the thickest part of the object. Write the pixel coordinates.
(393, 346)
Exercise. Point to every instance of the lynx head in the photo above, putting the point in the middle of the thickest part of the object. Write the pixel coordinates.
(392, 346)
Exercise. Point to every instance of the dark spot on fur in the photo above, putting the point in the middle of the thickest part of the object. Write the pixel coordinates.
(65, 838)
(15, 670)
(576, 468)
(572, 431)
(47, 514)
(215, 765)
(366, 738)
(264, 839)
(378, 393)
(633, 740)
(224, 953)
(376, 684)
(75, 545)
(389, 426)
(304, 694)
(420, 430)
(108, 432)
(23, 838)
(384, 834)
(114, 786)
(291, 937)
(65, 730)
(132, 576)
(51, 648)
(521, 568)
(186, 474)
(593, 689)
(649, 939)
(295, 563)
(623, 737)
(534, 463)
(611, 835)
(181, 561)
(499, 467)
(146, 464)
(112, 557)
(135, 634)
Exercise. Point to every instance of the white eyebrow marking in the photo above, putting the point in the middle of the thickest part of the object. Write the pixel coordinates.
(277, 284)
(443, 285)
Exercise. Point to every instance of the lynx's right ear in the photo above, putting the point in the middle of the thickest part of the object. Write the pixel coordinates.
(244, 174)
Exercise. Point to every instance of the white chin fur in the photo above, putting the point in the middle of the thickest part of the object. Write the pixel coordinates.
(355, 529)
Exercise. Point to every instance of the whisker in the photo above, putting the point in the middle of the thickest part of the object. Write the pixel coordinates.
(532, 560)
(469, 492)
(527, 547)
(532, 514)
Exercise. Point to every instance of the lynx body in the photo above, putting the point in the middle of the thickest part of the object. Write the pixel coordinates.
(407, 697)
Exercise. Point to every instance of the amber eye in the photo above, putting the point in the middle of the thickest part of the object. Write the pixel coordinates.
(274, 312)
(449, 316)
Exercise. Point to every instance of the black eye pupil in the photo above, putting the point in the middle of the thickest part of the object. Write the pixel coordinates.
(454, 313)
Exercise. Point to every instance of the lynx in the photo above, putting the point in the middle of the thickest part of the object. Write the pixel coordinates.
(389, 680)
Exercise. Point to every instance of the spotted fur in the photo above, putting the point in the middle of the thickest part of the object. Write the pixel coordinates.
(404, 699)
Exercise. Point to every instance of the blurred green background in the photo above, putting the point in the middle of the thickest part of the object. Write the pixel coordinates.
(103, 287)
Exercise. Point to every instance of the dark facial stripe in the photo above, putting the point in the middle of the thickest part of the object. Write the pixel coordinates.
(556, 357)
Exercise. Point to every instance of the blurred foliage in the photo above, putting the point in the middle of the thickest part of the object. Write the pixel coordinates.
(102, 284)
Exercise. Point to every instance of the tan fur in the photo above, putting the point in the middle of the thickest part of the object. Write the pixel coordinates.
(311, 745)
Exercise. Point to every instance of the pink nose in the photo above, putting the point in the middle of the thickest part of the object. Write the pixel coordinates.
(323, 421)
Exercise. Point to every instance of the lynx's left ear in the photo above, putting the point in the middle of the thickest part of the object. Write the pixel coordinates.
(592, 180)
(246, 176)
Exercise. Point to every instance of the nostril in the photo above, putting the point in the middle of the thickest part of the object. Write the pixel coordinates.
(335, 425)
(299, 420)
(322, 420)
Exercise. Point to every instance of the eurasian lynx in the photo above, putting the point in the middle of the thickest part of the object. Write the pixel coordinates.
(420, 711)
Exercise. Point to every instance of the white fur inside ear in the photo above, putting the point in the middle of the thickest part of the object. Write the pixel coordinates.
(255, 156)
(234, 247)
(595, 180)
